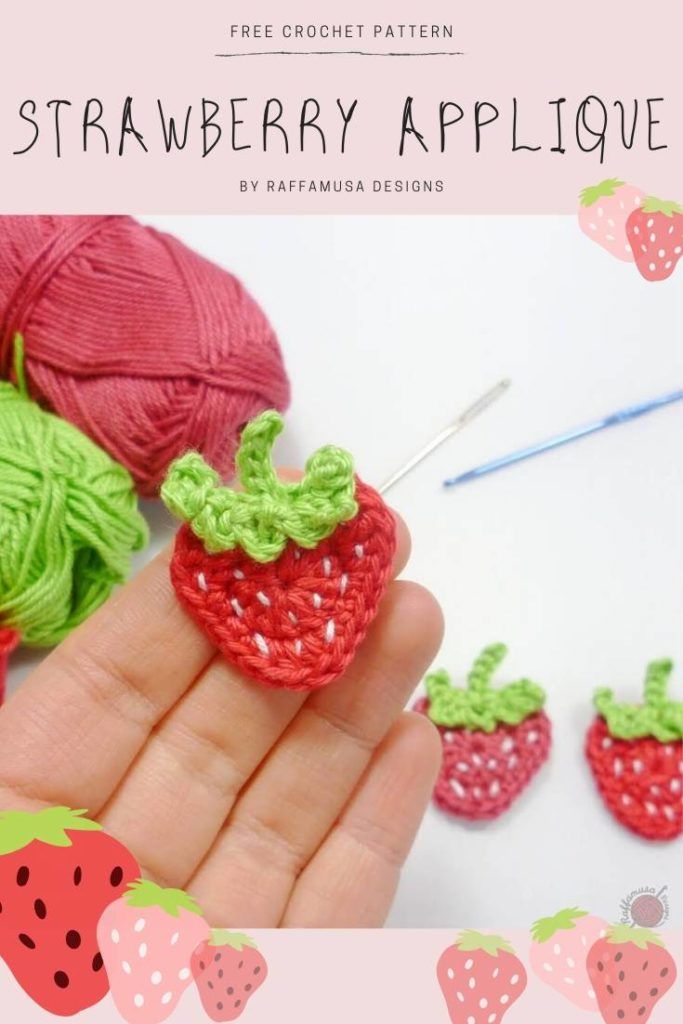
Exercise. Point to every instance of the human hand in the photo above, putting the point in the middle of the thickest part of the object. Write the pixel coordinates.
(272, 808)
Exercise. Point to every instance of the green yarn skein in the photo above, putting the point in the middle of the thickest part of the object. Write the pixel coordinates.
(68, 519)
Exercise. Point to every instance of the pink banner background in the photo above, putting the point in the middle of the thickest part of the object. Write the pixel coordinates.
(361, 976)
(527, 49)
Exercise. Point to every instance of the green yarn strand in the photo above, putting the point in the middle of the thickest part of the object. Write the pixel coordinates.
(68, 519)
(267, 513)
(658, 716)
(480, 707)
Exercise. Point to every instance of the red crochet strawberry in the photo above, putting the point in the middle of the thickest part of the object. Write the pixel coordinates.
(227, 969)
(58, 872)
(480, 977)
(636, 755)
(558, 953)
(604, 211)
(147, 938)
(494, 741)
(655, 232)
(285, 578)
(630, 971)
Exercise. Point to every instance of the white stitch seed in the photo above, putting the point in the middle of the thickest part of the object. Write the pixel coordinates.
(650, 807)
(237, 607)
(263, 598)
(317, 600)
(462, 766)
(669, 812)
(637, 766)
(343, 582)
(261, 643)
(359, 550)
(329, 631)
(238, 574)
(457, 788)
(494, 788)
(327, 566)
(292, 618)
(507, 745)
(297, 646)
(201, 581)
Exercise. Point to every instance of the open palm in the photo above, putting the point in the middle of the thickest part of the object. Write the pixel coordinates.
(270, 807)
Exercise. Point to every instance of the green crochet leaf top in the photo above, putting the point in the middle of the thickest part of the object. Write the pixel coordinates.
(267, 513)
(479, 706)
(659, 716)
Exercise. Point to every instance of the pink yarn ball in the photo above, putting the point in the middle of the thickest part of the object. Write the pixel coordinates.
(146, 346)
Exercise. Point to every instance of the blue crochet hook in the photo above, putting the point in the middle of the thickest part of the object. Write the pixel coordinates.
(623, 416)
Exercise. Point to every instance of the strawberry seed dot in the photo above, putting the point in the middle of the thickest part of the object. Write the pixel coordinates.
(73, 939)
(116, 877)
(40, 909)
(61, 979)
(27, 941)
(97, 962)
(23, 875)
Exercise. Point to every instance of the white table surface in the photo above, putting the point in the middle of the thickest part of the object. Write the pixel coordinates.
(392, 325)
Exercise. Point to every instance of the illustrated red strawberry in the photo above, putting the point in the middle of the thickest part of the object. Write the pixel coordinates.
(58, 872)
(604, 212)
(655, 233)
(147, 938)
(635, 753)
(630, 971)
(480, 977)
(285, 578)
(227, 969)
(558, 953)
(494, 741)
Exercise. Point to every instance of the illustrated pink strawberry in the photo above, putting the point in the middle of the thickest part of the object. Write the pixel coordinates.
(480, 978)
(655, 233)
(604, 212)
(630, 971)
(635, 753)
(494, 741)
(227, 969)
(58, 872)
(558, 953)
(147, 938)
(285, 578)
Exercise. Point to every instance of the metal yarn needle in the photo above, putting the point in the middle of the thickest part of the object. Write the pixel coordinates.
(455, 427)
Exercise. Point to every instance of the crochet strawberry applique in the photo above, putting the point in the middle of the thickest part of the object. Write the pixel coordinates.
(285, 578)
(494, 741)
(635, 753)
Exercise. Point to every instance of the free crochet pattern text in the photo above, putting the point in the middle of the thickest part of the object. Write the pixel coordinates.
(593, 125)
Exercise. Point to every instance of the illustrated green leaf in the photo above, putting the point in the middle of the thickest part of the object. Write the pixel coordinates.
(619, 934)
(666, 206)
(590, 195)
(470, 940)
(236, 940)
(563, 920)
(18, 829)
(143, 893)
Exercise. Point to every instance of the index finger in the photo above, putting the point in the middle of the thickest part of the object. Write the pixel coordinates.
(79, 721)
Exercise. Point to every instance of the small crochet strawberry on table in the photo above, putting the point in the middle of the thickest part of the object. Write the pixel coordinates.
(494, 740)
(285, 578)
(635, 752)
